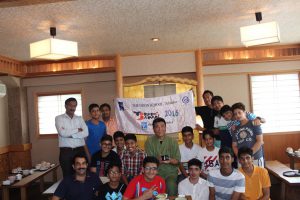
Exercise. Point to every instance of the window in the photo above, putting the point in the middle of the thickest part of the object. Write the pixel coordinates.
(49, 106)
(276, 98)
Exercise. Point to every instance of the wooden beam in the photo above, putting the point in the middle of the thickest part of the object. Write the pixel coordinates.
(199, 77)
(119, 76)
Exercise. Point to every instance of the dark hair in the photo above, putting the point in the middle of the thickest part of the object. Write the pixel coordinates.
(238, 105)
(69, 100)
(216, 98)
(156, 120)
(187, 129)
(226, 150)
(105, 105)
(208, 132)
(150, 159)
(207, 92)
(194, 162)
(130, 136)
(118, 134)
(225, 109)
(245, 150)
(79, 155)
(93, 105)
(112, 165)
(106, 138)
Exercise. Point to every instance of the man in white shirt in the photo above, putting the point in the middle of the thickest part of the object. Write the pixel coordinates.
(194, 185)
(71, 133)
(188, 150)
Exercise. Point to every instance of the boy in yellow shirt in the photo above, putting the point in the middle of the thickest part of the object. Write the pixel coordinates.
(257, 180)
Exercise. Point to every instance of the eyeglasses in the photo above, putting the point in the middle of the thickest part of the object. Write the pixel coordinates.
(114, 173)
(150, 168)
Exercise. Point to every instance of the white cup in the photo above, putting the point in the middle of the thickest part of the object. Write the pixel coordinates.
(289, 150)
(297, 153)
(12, 179)
(38, 166)
(19, 177)
(25, 172)
(6, 182)
(31, 171)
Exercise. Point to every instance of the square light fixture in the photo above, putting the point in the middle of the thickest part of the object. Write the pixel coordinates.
(259, 34)
(53, 49)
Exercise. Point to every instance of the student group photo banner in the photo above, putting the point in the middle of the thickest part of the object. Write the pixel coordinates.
(136, 115)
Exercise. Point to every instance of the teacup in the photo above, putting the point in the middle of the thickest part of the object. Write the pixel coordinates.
(297, 153)
(12, 179)
(289, 150)
(6, 182)
(162, 196)
(19, 177)
(15, 171)
(25, 172)
(38, 166)
(31, 171)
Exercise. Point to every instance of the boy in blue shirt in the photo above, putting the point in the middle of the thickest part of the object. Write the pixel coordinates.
(97, 130)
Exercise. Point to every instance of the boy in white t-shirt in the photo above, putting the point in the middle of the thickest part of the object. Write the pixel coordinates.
(209, 155)
(188, 150)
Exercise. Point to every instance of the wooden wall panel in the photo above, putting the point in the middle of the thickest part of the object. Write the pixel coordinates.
(13, 156)
(276, 144)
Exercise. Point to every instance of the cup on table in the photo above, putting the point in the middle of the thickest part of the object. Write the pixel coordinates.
(31, 171)
(161, 196)
(289, 150)
(26, 172)
(19, 177)
(297, 153)
(38, 166)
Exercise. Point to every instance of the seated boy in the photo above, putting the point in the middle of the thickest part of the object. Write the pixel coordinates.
(188, 150)
(223, 137)
(209, 154)
(147, 185)
(119, 139)
(112, 189)
(194, 185)
(132, 159)
(257, 178)
(226, 182)
(102, 158)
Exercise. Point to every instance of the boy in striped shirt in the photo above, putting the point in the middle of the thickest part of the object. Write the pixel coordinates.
(226, 182)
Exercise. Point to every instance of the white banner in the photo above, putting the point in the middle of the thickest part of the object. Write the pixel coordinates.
(136, 115)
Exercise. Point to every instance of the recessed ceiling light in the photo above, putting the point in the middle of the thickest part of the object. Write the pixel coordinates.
(155, 39)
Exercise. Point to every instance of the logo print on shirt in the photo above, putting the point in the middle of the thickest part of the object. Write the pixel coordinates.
(209, 161)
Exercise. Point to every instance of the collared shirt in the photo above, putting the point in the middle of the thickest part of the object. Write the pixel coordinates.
(255, 183)
(132, 164)
(198, 191)
(72, 189)
(111, 126)
(68, 134)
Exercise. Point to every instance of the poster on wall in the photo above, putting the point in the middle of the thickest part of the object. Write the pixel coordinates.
(136, 115)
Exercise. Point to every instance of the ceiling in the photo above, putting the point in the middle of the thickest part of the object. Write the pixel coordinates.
(109, 27)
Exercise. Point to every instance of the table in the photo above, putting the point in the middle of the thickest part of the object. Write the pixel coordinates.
(276, 168)
(26, 181)
(292, 157)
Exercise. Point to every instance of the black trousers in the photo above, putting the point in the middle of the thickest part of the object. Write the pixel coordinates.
(66, 156)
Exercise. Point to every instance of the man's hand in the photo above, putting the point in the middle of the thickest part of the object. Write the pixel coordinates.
(199, 128)
(80, 129)
(256, 122)
(148, 194)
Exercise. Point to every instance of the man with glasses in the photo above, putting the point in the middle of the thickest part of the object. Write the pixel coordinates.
(104, 157)
(148, 184)
(194, 185)
(257, 178)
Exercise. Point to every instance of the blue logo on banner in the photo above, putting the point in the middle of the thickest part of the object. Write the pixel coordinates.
(144, 125)
(121, 106)
(185, 99)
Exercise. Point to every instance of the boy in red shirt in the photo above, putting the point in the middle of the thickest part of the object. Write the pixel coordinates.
(148, 184)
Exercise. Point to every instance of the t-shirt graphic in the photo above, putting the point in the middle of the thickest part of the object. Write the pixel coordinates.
(211, 162)
(113, 196)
